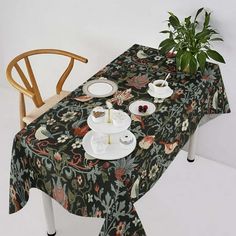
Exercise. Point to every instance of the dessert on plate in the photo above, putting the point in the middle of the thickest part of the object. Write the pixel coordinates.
(98, 114)
(125, 139)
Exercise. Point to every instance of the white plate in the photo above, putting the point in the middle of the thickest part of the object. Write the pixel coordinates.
(167, 94)
(133, 107)
(114, 150)
(100, 88)
(109, 128)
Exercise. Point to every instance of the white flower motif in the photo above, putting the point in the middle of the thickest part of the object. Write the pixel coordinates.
(32, 174)
(68, 116)
(177, 121)
(79, 179)
(38, 162)
(169, 61)
(136, 221)
(76, 144)
(144, 173)
(158, 58)
(141, 54)
(153, 171)
(90, 198)
(51, 121)
(163, 109)
(185, 125)
(62, 138)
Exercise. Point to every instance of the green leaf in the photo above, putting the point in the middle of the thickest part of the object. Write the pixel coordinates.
(216, 39)
(166, 42)
(71, 196)
(198, 12)
(215, 56)
(201, 35)
(207, 19)
(104, 177)
(174, 21)
(166, 49)
(212, 31)
(185, 59)
(192, 64)
(187, 21)
(166, 45)
(178, 58)
(201, 58)
(165, 31)
(206, 47)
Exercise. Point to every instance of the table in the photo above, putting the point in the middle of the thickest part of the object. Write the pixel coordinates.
(48, 154)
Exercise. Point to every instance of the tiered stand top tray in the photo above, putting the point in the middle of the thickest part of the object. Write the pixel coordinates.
(115, 150)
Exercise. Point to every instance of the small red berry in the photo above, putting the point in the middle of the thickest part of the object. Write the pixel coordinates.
(145, 107)
(140, 108)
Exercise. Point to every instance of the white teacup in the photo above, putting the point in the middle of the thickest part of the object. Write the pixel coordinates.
(159, 86)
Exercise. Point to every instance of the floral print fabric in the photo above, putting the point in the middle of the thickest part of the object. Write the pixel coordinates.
(48, 154)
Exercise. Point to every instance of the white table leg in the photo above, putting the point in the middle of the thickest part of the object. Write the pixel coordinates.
(192, 146)
(49, 215)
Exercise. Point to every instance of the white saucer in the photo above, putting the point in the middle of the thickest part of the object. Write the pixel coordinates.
(114, 150)
(168, 92)
(133, 107)
(109, 128)
(100, 88)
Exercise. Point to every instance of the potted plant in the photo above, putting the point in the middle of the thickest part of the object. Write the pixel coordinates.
(190, 41)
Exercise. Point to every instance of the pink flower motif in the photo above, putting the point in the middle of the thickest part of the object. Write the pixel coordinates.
(57, 156)
(138, 81)
(169, 147)
(147, 141)
(60, 196)
(98, 213)
(138, 119)
(121, 96)
(120, 229)
(119, 173)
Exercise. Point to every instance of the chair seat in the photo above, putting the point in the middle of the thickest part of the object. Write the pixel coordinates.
(48, 103)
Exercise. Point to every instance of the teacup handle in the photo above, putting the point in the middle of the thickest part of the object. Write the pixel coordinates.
(151, 86)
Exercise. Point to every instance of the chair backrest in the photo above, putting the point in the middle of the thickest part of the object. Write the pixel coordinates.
(31, 88)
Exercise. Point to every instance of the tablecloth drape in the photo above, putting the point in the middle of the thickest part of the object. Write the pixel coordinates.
(48, 154)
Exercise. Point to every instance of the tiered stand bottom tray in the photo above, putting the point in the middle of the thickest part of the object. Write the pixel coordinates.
(114, 150)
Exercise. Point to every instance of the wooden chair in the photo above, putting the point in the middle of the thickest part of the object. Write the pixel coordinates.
(31, 90)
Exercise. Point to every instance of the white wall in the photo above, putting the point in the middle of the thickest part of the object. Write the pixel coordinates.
(101, 30)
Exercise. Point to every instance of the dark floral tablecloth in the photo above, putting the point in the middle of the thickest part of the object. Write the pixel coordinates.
(48, 154)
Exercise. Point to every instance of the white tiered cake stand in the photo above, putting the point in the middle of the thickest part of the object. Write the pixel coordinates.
(114, 150)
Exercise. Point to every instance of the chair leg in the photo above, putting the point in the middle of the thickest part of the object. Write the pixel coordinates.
(192, 146)
(22, 110)
(49, 215)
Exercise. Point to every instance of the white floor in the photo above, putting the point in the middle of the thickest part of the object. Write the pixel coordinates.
(191, 199)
